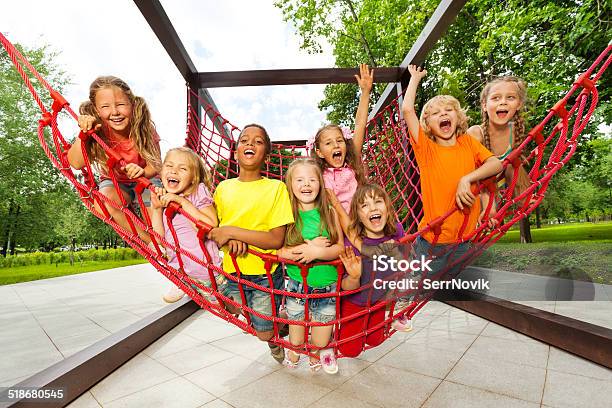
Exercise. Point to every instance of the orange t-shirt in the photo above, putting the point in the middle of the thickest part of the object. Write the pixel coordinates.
(441, 167)
(128, 152)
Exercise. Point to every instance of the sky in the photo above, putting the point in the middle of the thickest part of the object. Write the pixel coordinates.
(111, 37)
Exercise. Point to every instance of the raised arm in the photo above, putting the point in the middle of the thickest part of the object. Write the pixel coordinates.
(408, 110)
(365, 79)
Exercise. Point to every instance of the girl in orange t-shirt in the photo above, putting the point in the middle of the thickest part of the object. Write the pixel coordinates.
(123, 121)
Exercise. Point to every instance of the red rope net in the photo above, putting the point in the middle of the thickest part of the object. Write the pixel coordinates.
(389, 161)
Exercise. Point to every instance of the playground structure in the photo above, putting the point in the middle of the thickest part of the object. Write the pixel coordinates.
(212, 136)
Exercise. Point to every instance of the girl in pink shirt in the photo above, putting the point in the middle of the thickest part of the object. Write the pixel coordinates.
(339, 154)
(187, 182)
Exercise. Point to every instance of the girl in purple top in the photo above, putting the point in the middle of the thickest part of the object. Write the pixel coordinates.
(373, 222)
(187, 182)
(339, 154)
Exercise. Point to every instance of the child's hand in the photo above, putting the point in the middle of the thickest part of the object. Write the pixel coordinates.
(237, 248)
(321, 241)
(417, 73)
(331, 196)
(491, 222)
(87, 122)
(351, 262)
(305, 253)
(464, 194)
(220, 235)
(365, 79)
(133, 170)
(167, 198)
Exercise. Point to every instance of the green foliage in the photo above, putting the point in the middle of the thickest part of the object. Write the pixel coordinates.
(51, 258)
(546, 42)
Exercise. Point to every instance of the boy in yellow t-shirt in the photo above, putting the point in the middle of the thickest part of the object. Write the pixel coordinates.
(253, 210)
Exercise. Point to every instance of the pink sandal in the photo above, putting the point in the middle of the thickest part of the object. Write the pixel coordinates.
(287, 362)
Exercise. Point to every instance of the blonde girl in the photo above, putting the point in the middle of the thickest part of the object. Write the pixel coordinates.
(315, 236)
(123, 121)
(187, 182)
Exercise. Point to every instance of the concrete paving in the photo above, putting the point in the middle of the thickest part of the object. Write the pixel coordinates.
(450, 359)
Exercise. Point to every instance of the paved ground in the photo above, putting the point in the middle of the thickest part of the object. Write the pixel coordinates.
(452, 358)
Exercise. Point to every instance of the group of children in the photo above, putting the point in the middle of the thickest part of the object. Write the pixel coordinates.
(324, 210)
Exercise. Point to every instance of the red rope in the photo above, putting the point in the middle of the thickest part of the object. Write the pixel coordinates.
(389, 161)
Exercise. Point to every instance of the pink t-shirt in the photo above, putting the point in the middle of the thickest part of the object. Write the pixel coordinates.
(188, 238)
(341, 181)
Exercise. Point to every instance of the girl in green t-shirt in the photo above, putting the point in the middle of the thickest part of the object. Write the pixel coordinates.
(316, 236)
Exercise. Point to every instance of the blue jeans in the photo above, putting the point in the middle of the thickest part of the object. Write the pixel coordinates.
(130, 189)
(257, 300)
(321, 309)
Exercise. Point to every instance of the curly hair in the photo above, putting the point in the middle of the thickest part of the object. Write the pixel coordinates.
(352, 158)
(444, 100)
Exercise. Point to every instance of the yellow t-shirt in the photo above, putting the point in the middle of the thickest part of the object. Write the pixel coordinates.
(259, 205)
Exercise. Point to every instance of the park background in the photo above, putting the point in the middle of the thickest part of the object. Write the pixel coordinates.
(45, 231)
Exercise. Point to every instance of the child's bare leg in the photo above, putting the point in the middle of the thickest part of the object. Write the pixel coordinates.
(320, 337)
(118, 215)
(296, 337)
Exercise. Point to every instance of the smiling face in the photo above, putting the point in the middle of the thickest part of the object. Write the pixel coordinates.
(305, 185)
(372, 213)
(114, 109)
(502, 102)
(177, 173)
(332, 147)
(251, 150)
(442, 120)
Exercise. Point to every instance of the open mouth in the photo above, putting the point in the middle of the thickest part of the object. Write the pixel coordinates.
(249, 153)
(172, 182)
(376, 219)
(306, 191)
(117, 120)
(337, 156)
(502, 114)
(445, 125)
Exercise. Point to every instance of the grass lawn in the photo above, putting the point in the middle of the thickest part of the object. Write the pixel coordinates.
(35, 272)
(582, 260)
(586, 231)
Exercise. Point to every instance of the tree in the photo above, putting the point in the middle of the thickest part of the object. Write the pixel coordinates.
(26, 171)
(545, 42)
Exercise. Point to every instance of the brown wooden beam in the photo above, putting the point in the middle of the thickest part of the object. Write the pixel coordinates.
(442, 18)
(575, 336)
(81, 371)
(291, 77)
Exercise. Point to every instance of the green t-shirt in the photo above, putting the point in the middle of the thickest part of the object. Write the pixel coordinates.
(321, 275)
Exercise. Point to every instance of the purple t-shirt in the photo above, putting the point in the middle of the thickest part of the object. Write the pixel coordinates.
(188, 238)
(367, 275)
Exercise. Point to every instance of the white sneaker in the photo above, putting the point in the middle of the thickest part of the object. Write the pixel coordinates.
(328, 361)
(174, 294)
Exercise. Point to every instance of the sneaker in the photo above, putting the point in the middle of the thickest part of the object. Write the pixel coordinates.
(174, 294)
(328, 361)
(277, 352)
(402, 324)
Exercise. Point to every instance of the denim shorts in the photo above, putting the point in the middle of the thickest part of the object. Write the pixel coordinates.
(130, 189)
(257, 300)
(321, 310)
(441, 256)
